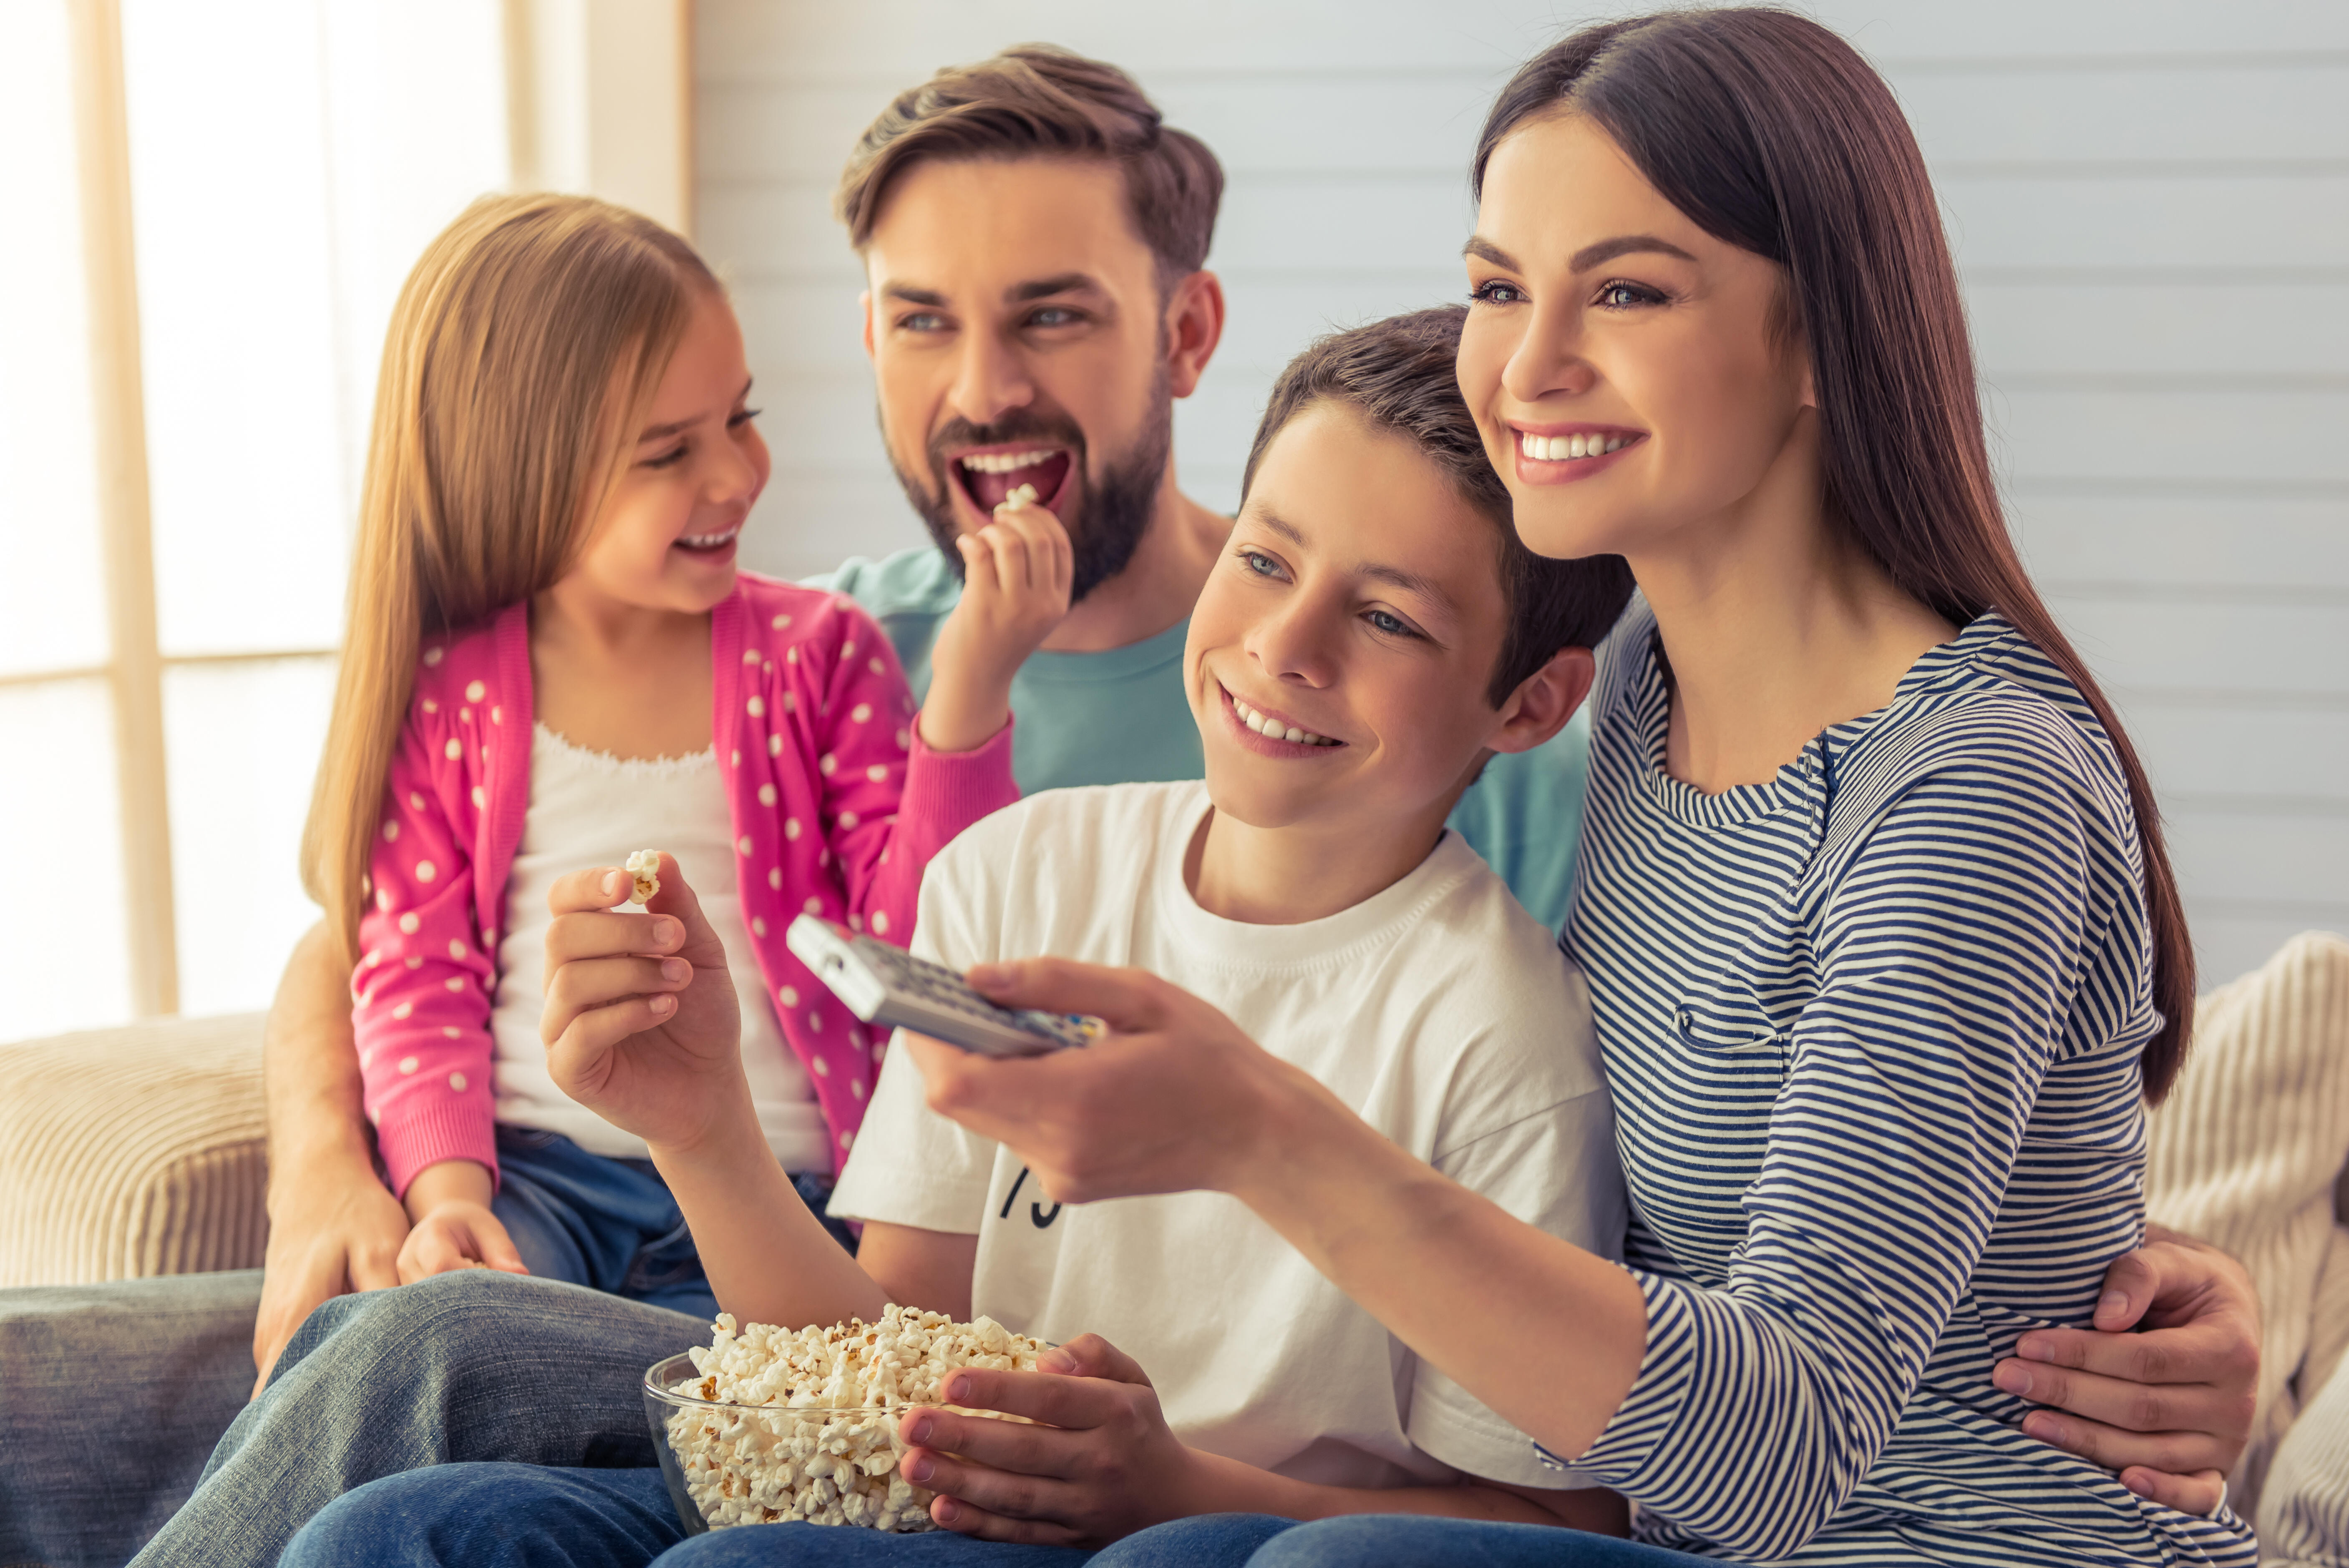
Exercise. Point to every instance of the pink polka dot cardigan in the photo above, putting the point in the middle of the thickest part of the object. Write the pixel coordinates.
(837, 806)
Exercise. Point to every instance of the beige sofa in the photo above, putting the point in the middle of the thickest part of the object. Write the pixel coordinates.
(126, 1153)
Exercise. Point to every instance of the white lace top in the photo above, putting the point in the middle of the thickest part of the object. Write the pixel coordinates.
(587, 808)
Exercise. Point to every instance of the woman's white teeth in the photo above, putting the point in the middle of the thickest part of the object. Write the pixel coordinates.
(1566, 449)
(708, 541)
(1005, 462)
(1272, 729)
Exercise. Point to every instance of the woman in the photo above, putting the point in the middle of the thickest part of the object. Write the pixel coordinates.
(1885, 954)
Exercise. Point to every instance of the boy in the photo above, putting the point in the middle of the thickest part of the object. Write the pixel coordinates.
(1373, 632)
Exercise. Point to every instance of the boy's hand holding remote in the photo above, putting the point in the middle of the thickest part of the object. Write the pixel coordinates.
(1017, 572)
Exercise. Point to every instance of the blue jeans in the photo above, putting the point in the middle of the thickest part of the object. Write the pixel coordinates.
(1396, 1541)
(519, 1516)
(471, 1366)
(608, 1224)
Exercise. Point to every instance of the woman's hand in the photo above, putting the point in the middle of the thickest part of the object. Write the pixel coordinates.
(450, 1203)
(1016, 576)
(1174, 1097)
(2169, 1405)
(1104, 1464)
(641, 1022)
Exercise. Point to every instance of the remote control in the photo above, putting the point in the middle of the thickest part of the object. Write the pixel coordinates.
(889, 986)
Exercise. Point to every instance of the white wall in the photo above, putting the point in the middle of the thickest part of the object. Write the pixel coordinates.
(2149, 203)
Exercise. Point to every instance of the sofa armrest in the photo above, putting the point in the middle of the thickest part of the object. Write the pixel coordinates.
(133, 1151)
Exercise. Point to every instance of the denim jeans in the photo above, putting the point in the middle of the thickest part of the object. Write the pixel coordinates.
(517, 1516)
(110, 1397)
(1393, 1541)
(476, 1364)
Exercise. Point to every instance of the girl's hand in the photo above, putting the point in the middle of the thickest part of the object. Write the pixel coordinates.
(458, 1234)
(641, 1022)
(1103, 1465)
(1016, 575)
(449, 1203)
(1174, 1099)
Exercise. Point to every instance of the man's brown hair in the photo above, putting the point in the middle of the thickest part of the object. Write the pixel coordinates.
(1398, 375)
(1035, 100)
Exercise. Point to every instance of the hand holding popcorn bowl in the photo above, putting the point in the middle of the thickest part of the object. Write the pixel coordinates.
(769, 1426)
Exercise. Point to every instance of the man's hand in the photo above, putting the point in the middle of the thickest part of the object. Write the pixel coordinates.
(331, 1231)
(1102, 1465)
(2167, 1406)
(1017, 573)
(641, 1022)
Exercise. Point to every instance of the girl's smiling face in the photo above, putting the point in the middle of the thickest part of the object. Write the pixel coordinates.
(666, 538)
(1357, 607)
(1629, 373)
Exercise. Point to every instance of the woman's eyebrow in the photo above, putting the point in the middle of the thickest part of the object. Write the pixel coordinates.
(675, 427)
(1584, 259)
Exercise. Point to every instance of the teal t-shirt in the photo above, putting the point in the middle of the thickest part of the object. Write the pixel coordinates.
(1120, 717)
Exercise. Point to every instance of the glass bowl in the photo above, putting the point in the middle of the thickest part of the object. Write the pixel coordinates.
(763, 1464)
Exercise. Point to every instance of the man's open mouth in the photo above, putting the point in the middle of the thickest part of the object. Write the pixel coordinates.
(989, 476)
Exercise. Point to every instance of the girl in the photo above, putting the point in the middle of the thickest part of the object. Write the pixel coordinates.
(1884, 950)
(553, 660)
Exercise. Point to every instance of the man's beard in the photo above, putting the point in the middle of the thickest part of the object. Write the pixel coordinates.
(1113, 508)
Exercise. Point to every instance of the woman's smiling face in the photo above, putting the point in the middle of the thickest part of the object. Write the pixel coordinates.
(1626, 369)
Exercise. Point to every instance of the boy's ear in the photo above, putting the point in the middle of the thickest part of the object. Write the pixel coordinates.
(1545, 700)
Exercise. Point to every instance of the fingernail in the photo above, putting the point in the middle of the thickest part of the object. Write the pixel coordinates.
(2136, 1483)
(915, 1467)
(2113, 1301)
(667, 932)
(944, 1511)
(675, 969)
(918, 1429)
(611, 883)
(1056, 1360)
(956, 1389)
(2043, 1426)
(987, 976)
(2012, 1377)
(663, 1005)
(2032, 1348)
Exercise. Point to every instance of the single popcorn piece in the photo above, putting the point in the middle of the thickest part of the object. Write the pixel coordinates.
(645, 866)
(1021, 495)
(807, 1427)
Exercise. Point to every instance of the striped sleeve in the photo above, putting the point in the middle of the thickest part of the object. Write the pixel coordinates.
(1947, 958)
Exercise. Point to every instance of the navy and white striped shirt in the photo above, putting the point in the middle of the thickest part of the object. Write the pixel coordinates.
(1872, 1029)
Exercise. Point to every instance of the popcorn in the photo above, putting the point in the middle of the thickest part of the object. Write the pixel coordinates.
(809, 1430)
(1021, 495)
(645, 866)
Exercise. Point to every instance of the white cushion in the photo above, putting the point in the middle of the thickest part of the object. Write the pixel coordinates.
(2246, 1149)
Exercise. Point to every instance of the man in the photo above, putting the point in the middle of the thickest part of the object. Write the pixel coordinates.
(1033, 241)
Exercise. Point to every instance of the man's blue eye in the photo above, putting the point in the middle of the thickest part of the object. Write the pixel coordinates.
(1052, 316)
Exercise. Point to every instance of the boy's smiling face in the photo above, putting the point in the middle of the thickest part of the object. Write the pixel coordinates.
(1358, 606)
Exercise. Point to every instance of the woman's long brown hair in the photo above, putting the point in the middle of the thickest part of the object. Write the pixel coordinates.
(525, 344)
(1772, 133)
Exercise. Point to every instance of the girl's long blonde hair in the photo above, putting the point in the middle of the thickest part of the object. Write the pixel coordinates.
(525, 345)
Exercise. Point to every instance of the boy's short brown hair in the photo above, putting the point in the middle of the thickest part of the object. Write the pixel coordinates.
(1034, 100)
(1401, 374)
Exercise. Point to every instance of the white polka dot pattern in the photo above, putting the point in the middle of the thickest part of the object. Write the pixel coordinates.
(847, 787)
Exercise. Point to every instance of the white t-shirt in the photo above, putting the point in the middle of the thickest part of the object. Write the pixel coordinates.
(1439, 1010)
(587, 808)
